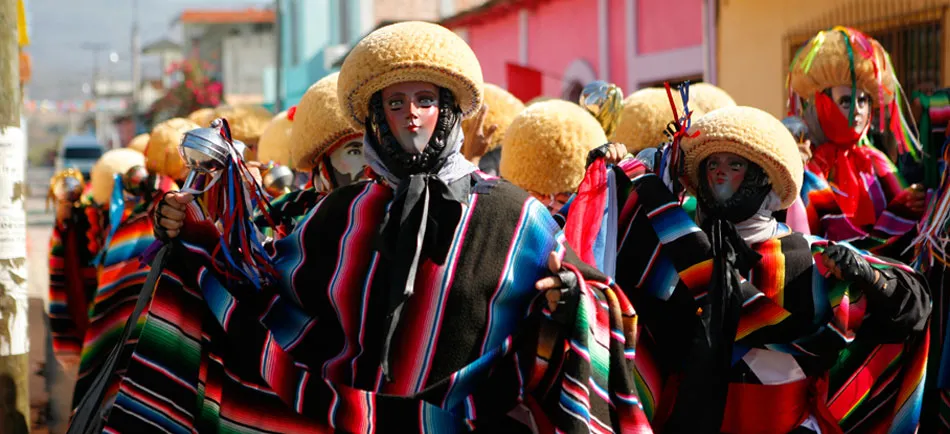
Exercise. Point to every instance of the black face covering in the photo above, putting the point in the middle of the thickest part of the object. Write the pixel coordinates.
(400, 163)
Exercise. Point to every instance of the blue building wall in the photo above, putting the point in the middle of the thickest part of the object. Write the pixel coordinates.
(315, 25)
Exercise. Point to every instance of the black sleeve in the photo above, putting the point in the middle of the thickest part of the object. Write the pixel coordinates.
(898, 308)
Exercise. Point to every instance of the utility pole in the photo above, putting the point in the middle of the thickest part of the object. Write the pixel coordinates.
(136, 64)
(279, 69)
(96, 49)
(14, 340)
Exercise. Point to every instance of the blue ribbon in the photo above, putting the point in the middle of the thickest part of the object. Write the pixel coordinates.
(116, 210)
(684, 94)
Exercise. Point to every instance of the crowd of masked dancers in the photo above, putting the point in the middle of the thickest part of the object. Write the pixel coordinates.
(410, 249)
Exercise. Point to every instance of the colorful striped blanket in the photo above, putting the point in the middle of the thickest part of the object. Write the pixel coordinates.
(893, 228)
(121, 276)
(790, 305)
(287, 211)
(476, 349)
(72, 277)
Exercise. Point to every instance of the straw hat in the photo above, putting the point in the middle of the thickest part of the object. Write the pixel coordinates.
(409, 51)
(247, 123)
(116, 161)
(750, 133)
(202, 117)
(275, 141)
(161, 154)
(319, 123)
(705, 97)
(824, 62)
(538, 99)
(502, 109)
(646, 113)
(139, 142)
(545, 148)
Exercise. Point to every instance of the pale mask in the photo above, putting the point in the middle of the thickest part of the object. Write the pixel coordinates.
(725, 172)
(841, 95)
(347, 163)
(412, 112)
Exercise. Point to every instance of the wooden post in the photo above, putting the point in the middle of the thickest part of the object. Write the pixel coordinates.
(14, 341)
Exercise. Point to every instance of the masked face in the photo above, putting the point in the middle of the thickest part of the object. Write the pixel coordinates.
(725, 172)
(412, 111)
(841, 95)
(347, 163)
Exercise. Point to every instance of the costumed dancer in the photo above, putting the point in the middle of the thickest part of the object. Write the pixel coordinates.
(323, 144)
(767, 310)
(74, 242)
(838, 81)
(805, 303)
(545, 150)
(434, 327)
(485, 131)
(125, 190)
(931, 258)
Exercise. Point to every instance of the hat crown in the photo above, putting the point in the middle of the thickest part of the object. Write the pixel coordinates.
(409, 51)
(545, 148)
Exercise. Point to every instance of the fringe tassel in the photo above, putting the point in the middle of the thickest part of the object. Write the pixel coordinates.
(932, 240)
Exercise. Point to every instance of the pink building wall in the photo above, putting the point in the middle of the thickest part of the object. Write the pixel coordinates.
(562, 32)
(495, 42)
(617, 20)
(668, 25)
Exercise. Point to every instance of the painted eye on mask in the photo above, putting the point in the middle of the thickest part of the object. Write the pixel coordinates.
(395, 104)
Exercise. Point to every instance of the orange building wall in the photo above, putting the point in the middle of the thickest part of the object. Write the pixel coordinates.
(752, 46)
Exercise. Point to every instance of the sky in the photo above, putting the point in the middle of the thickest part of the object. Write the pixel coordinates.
(59, 29)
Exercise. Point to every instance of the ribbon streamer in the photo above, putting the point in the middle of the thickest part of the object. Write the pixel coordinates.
(116, 212)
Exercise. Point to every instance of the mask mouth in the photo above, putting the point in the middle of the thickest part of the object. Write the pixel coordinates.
(722, 192)
(414, 141)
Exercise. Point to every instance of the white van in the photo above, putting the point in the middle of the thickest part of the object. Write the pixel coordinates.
(79, 152)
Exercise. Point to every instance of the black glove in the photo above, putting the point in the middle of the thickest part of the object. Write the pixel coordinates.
(854, 268)
(598, 152)
(157, 228)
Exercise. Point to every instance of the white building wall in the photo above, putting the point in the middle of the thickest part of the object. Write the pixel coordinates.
(243, 61)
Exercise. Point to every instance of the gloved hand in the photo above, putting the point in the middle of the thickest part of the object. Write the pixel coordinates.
(169, 216)
(848, 265)
(613, 153)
